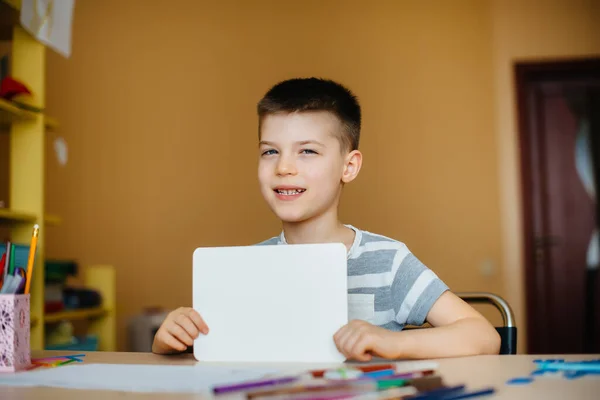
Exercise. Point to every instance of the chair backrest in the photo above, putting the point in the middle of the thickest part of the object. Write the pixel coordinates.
(508, 332)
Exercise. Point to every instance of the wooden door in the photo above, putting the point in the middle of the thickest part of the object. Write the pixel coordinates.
(558, 110)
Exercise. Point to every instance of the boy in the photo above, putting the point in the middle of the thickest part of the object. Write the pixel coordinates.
(309, 131)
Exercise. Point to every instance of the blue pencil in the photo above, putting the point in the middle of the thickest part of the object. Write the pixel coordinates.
(452, 393)
(379, 374)
(56, 357)
(467, 395)
(440, 393)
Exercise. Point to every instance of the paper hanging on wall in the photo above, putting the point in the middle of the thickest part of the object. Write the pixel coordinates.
(49, 21)
(61, 150)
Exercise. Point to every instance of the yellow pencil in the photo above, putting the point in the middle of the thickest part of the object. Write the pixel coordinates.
(34, 237)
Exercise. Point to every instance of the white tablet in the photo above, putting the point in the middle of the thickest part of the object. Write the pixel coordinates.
(275, 303)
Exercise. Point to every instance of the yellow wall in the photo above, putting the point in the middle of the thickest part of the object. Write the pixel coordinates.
(5, 49)
(157, 105)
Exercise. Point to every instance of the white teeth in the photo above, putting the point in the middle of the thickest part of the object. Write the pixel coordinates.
(290, 192)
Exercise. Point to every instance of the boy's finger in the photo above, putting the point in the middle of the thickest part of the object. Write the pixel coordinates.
(180, 334)
(364, 357)
(172, 343)
(343, 351)
(359, 348)
(340, 332)
(339, 346)
(344, 346)
(343, 339)
(198, 321)
(186, 323)
(352, 342)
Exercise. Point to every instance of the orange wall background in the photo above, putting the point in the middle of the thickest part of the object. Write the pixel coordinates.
(157, 106)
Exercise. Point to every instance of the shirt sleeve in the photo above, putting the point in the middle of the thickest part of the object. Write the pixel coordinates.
(415, 289)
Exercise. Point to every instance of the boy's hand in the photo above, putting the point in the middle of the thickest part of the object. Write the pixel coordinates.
(359, 340)
(178, 331)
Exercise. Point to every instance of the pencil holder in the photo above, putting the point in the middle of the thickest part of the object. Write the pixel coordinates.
(15, 351)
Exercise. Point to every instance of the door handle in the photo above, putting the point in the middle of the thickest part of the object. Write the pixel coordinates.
(546, 241)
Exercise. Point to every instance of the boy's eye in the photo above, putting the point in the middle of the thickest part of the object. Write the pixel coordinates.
(308, 151)
(269, 152)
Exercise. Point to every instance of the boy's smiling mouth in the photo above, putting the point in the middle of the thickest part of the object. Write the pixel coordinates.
(288, 192)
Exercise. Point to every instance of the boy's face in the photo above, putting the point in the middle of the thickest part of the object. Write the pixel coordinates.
(302, 166)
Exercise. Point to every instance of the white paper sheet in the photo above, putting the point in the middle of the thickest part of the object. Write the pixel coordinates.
(269, 304)
(134, 378)
(49, 21)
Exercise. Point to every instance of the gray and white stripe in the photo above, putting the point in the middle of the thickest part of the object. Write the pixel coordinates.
(387, 285)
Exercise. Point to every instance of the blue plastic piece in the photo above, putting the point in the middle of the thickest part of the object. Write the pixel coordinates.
(520, 381)
(550, 360)
(570, 369)
(540, 372)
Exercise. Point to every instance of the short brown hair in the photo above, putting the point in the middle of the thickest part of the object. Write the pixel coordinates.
(315, 94)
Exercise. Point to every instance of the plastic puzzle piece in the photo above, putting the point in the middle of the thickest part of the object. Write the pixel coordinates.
(520, 381)
(574, 374)
(539, 372)
(579, 374)
(570, 366)
(566, 369)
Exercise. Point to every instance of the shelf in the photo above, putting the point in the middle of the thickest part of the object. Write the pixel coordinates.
(10, 113)
(71, 315)
(6, 214)
(9, 18)
(52, 220)
(51, 123)
(14, 216)
(33, 320)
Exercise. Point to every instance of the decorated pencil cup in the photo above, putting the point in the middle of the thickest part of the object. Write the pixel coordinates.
(15, 350)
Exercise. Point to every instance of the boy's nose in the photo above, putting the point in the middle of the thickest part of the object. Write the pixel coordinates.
(285, 166)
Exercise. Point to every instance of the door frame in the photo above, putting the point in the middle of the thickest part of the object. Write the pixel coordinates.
(526, 75)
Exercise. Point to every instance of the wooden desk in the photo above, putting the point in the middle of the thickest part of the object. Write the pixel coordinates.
(475, 372)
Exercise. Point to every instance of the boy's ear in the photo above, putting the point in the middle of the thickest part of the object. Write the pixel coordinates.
(352, 166)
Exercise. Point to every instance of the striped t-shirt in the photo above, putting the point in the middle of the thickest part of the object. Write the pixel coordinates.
(387, 285)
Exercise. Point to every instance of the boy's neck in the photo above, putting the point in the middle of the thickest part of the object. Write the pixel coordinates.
(323, 229)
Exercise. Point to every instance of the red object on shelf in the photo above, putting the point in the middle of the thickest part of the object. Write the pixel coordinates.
(2, 263)
(10, 87)
(53, 306)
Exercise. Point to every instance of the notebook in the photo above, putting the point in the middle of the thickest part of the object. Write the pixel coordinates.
(274, 303)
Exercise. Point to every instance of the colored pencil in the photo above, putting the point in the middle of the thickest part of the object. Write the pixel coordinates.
(7, 261)
(323, 388)
(379, 374)
(55, 357)
(255, 384)
(466, 395)
(441, 393)
(364, 368)
(32, 247)
(68, 362)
